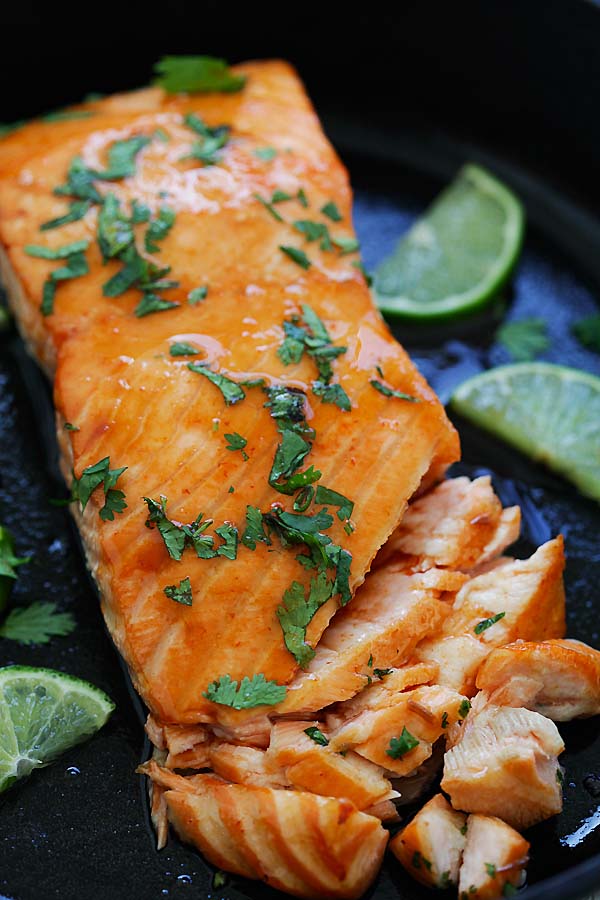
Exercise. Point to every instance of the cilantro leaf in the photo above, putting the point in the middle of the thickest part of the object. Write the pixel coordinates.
(346, 244)
(8, 563)
(287, 407)
(174, 537)
(251, 692)
(232, 392)
(182, 593)
(314, 231)
(399, 747)
(91, 478)
(56, 252)
(75, 267)
(265, 153)
(197, 295)
(114, 232)
(122, 158)
(304, 498)
(280, 196)
(196, 74)
(524, 339)
(487, 623)
(80, 182)
(139, 212)
(381, 673)
(235, 441)
(181, 348)
(255, 529)
(332, 212)
(269, 207)
(151, 303)
(298, 256)
(302, 198)
(69, 427)
(391, 392)
(490, 868)
(159, 228)
(77, 210)
(296, 612)
(229, 535)
(288, 457)
(587, 332)
(464, 709)
(316, 735)
(326, 495)
(444, 722)
(332, 393)
(36, 624)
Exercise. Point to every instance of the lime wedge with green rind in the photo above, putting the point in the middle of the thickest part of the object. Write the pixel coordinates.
(42, 714)
(458, 255)
(551, 413)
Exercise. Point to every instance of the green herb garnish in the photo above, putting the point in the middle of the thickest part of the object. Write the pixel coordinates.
(196, 74)
(524, 339)
(381, 673)
(231, 391)
(36, 624)
(487, 623)
(235, 441)
(464, 709)
(302, 198)
(399, 747)
(77, 210)
(490, 868)
(159, 228)
(197, 295)
(316, 735)
(587, 332)
(56, 252)
(180, 348)
(64, 115)
(296, 613)
(255, 529)
(332, 212)
(92, 477)
(269, 207)
(251, 692)
(298, 256)
(151, 303)
(345, 506)
(182, 593)
(265, 153)
(391, 392)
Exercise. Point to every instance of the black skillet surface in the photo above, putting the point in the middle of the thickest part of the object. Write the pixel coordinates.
(80, 828)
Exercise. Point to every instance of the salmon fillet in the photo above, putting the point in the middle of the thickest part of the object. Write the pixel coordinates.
(138, 406)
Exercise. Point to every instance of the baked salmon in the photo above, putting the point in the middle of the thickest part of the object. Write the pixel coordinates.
(192, 396)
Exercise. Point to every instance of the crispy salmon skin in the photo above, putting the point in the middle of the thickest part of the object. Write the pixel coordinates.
(229, 293)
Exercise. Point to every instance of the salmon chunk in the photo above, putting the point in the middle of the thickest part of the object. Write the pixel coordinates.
(430, 847)
(400, 736)
(245, 765)
(506, 765)
(559, 679)
(380, 628)
(310, 764)
(306, 845)
(495, 855)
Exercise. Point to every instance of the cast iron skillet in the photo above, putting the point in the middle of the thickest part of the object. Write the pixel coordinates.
(80, 829)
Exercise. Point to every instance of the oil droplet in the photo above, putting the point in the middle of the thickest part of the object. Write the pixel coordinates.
(184, 879)
(73, 770)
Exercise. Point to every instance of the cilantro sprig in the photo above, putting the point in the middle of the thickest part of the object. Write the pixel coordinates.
(177, 536)
(9, 562)
(402, 745)
(250, 692)
(524, 339)
(181, 593)
(36, 623)
(231, 390)
(196, 74)
(100, 475)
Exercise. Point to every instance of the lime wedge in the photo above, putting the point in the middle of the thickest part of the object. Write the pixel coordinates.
(550, 413)
(42, 714)
(458, 255)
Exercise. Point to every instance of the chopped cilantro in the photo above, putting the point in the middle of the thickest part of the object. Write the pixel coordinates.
(140, 212)
(399, 747)
(80, 182)
(68, 427)
(8, 563)
(288, 458)
(269, 207)
(345, 506)
(314, 231)
(524, 339)
(346, 244)
(151, 303)
(302, 198)
(36, 624)
(115, 232)
(587, 332)
(296, 612)
(77, 210)
(490, 868)
(310, 335)
(206, 150)
(298, 256)
(197, 294)
(251, 692)
(509, 890)
(391, 392)
(381, 673)
(229, 535)
(64, 115)
(93, 477)
(332, 212)
(56, 252)
(332, 393)
(265, 153)
(180, 348)
(159, 228)
(176, 537)
(487, 623)
(444, 720)
(219, 880)
(182, 593)
(316, 735)
(280, 196)
(464, 709)
(235, 441)
(255, 529)
(287, 407)
(304, 498)
(122, 158)
(231, 391)
(196, 74)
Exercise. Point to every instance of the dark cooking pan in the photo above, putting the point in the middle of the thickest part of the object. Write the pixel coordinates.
(406, 97)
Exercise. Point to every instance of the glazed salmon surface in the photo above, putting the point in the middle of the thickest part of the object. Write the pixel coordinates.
(133, 402)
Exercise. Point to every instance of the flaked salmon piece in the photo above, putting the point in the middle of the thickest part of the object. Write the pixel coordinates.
(430, 847)
(457, 658)
(507, 532)
(314, 767)
(510, 600)
(255, 731)
(246, 765)
(506, 764)
(495, 856)
(385, 811)
(400, 737)
(187, 746)
(306, 845)
(558, 678)
(134, 403)
(451, 525)
(380, 628)
(385, 685)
